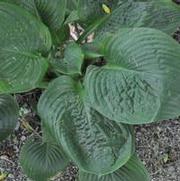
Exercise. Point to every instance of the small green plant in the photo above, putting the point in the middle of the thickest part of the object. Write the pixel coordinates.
(127, 75)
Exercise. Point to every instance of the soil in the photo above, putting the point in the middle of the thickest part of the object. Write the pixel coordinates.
(158, 145)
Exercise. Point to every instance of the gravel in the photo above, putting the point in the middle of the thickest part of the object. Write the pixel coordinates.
(158, 145)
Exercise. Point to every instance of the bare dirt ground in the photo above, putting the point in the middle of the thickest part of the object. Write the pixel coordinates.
(158, 146)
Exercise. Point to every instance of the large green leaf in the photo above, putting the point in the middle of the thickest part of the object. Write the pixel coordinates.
(51, 13)
(90, 10)
(42, 160)
(133, 170)
(8, 115)
(159, 14)
(72, 17)
(23, 43)
(95, 143)
(140, 82)
(72, 5)
(71, 62)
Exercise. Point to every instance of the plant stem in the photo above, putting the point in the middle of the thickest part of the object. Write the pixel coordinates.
(92, 28)
(29, 127)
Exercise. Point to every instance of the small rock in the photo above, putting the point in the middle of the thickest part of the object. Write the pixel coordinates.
(23, 138)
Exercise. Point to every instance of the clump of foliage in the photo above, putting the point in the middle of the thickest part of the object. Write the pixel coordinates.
(97, 91)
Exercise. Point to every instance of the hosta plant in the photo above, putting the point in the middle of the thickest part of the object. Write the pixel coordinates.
(92, 93)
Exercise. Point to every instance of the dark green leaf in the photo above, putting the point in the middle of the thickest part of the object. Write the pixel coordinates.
(23, 42)
(91, 28)
(51, 13)
(161, 14)
(139, 83)
(90, 51)
(42, 160)
(73, 16)
(90, 10)
(72, 5)
(95, 143)
(72, 61)
(60, 36)
(133, 170)
(8, 115)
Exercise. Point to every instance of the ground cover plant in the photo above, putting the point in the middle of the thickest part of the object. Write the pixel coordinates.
(92, 93)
